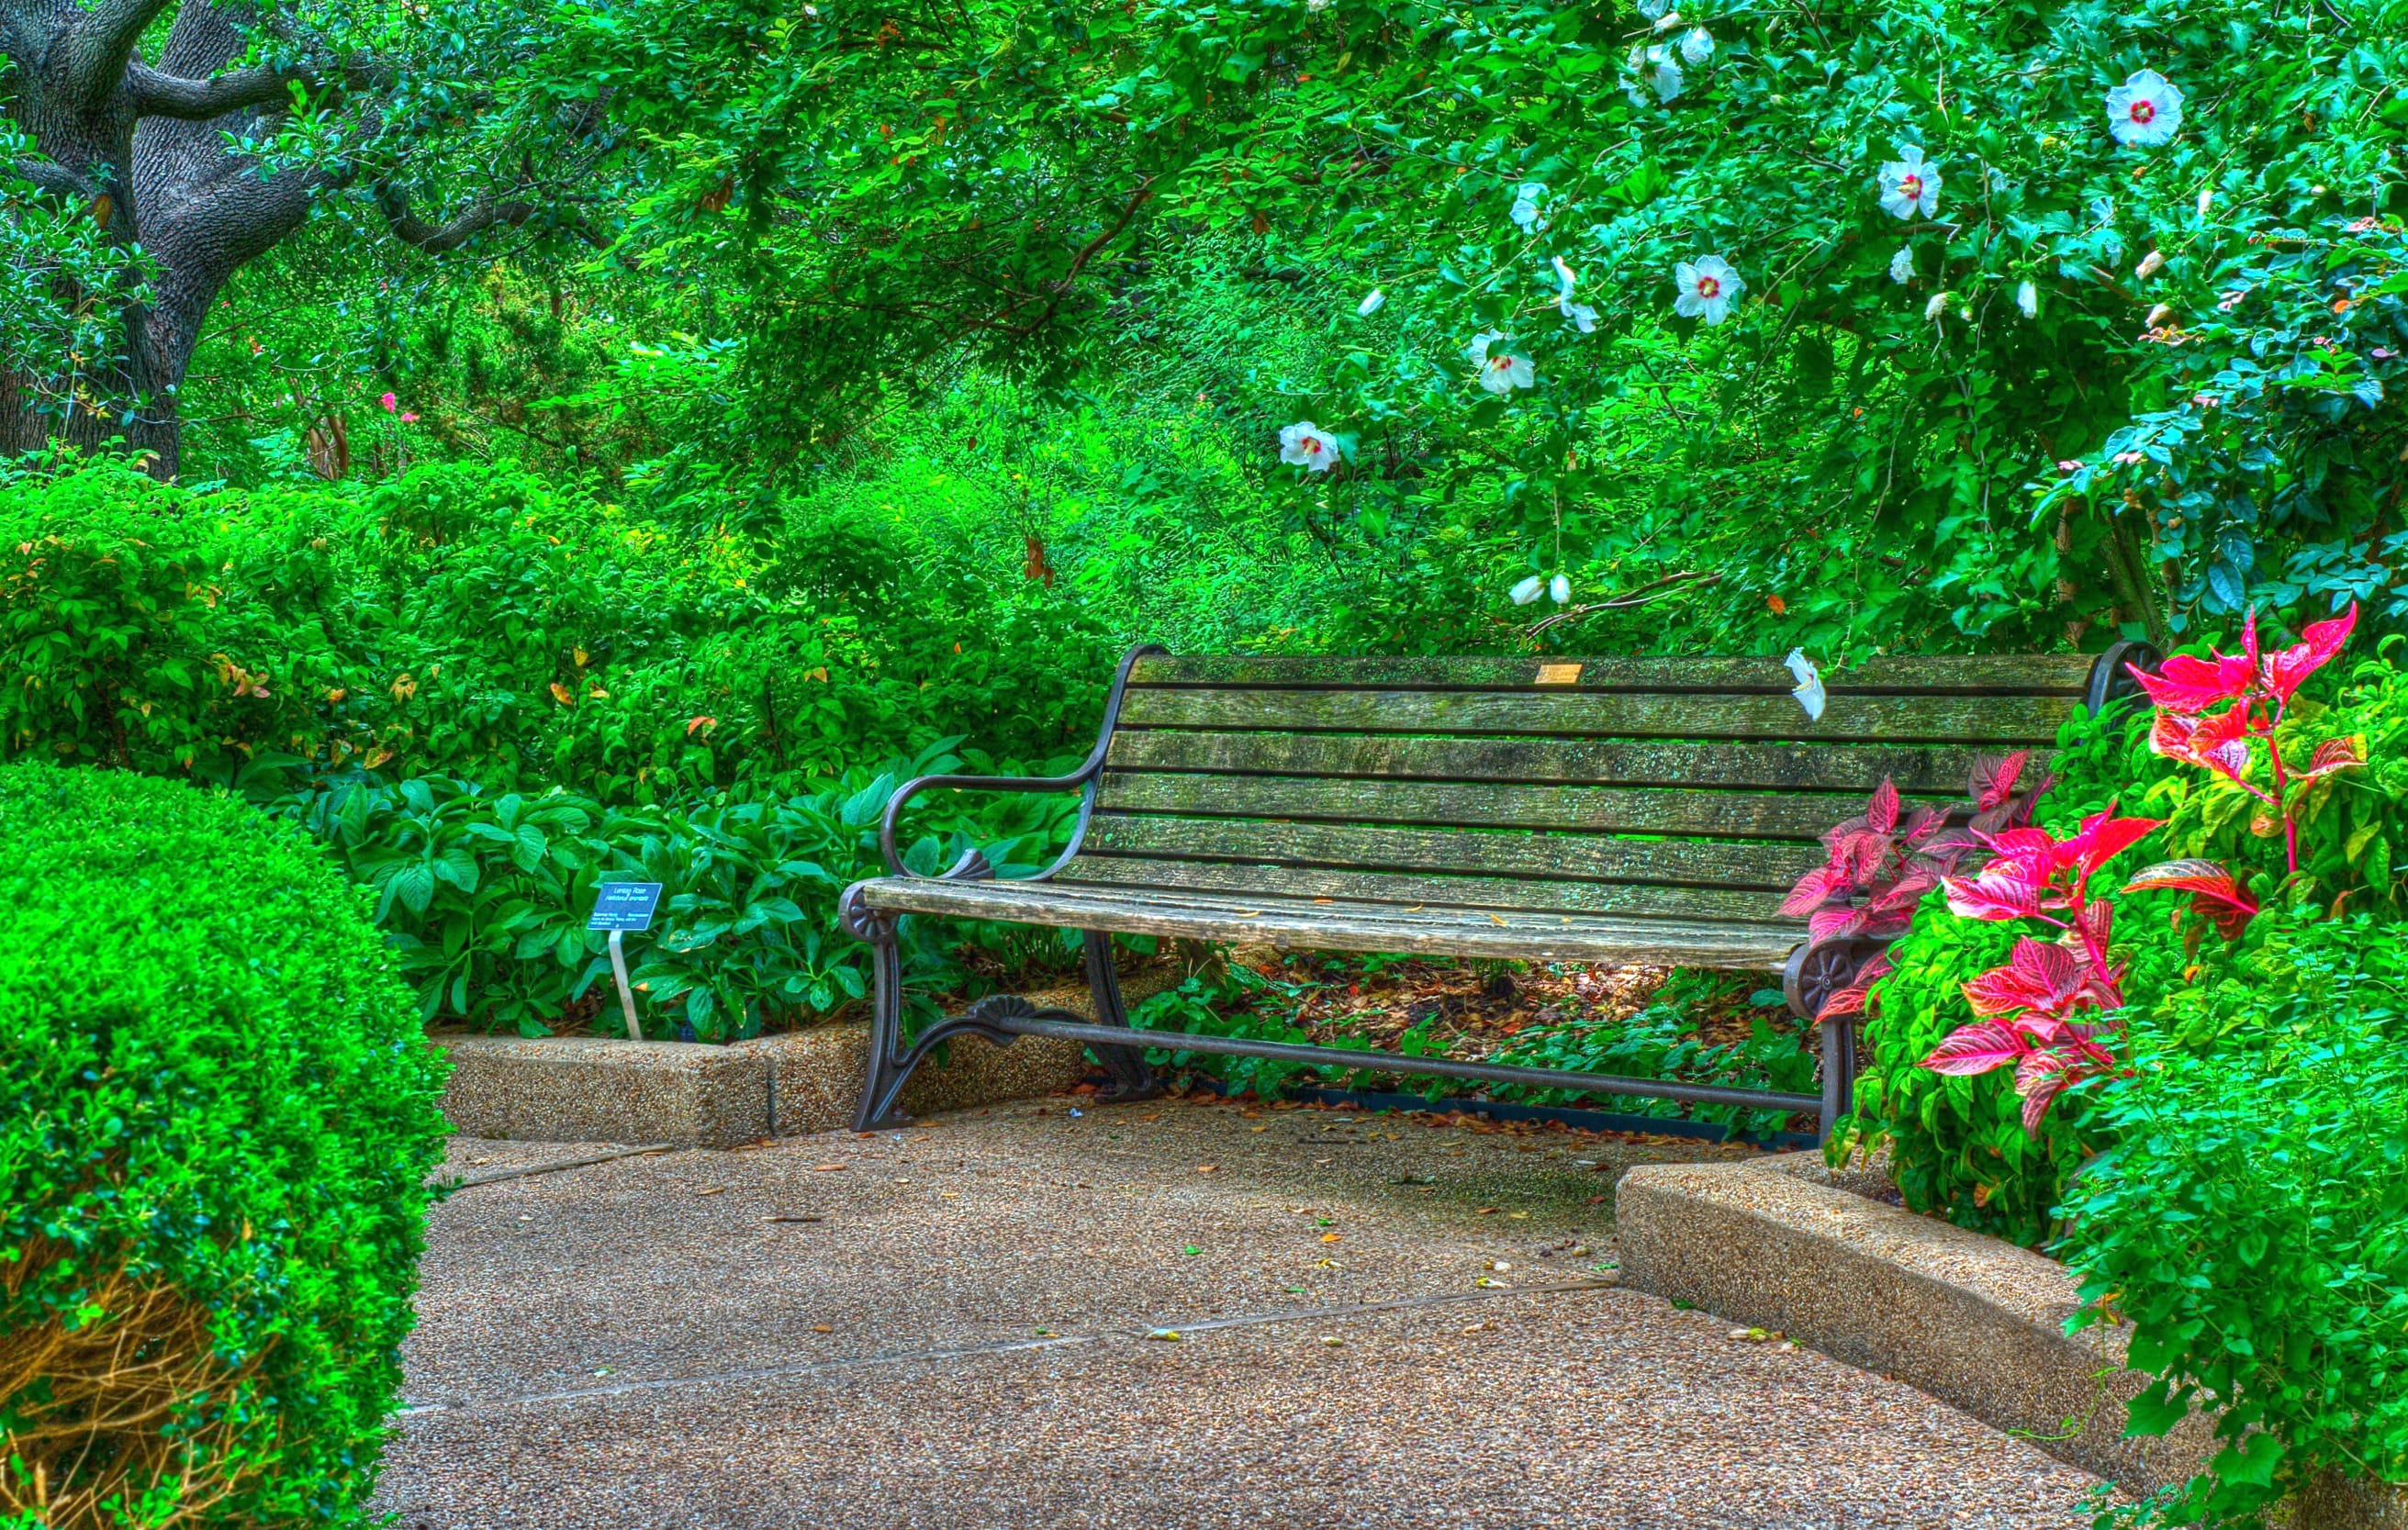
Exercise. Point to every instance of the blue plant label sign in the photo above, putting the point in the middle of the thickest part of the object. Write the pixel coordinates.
(625, 905)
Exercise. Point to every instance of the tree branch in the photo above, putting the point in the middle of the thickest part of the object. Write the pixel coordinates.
(441, 238)
(57, 180)
(103, 44)
(157, 94)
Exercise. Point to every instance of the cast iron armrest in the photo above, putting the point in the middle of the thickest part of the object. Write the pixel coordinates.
(973, 867)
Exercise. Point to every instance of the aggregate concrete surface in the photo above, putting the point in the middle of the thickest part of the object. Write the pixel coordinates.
(1379, 1324)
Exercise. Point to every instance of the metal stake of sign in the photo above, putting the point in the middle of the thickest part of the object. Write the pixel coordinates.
(618, 907)
(627, 994)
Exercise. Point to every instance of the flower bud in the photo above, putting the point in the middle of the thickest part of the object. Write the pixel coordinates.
(2158, 315)
(1938, 306)
(2151, 263)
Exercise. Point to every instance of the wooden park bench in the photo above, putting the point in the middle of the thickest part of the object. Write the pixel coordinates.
(1630, 809)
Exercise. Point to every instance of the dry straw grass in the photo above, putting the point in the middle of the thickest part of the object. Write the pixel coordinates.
(106, 1422)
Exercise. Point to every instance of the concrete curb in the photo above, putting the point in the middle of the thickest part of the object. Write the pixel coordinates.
(695, 1095)
(1973, 1321)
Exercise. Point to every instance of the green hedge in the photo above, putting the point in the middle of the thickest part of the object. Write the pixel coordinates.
(216, 1122)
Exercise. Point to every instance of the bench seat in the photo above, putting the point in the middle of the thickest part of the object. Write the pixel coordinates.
(1322, 923)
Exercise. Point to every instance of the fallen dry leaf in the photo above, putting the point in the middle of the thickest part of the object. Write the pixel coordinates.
(1208, 1168)
(809, 1216)
(714, 1190)
(825, 1169)
(1329, 1238)
(822, 1328)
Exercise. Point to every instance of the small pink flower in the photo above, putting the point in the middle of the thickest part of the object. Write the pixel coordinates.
(2385, 353)
(2127, 458)
(390, 403)
(2068, 466)
(2205, 400)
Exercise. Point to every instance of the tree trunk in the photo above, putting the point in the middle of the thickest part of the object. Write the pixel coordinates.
(103, 126)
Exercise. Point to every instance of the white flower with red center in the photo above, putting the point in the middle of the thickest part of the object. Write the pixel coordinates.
(2146, 110)
(1708, 288)
(1308, 447)
(1501, 371)
(1909, 185)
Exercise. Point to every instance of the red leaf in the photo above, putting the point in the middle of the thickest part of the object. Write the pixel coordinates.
(2218, 743)
(2000, 892)
(2217, 896)
(1882, 814)
(2287, 670)
(2188, 684)
(1974, 1049)
(1812, 889)
(2041, 976)
(2332, 756)
(2039, 1077)
(2104, 836)
(1834, 923)
(1995, 777)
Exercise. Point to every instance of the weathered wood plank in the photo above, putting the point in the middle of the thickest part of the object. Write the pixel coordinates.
(1957, 720)
(2065, 674)
(1693, 862)
(1605, 810)
(1347, 927)
(1429, 891)
(1939, 770)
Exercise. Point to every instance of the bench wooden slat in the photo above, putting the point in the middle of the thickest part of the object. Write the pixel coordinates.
(1835, 767)
(1373, 847)
(1433, 890)
(1205, 915)
(2006, 720)
(1609, 809)
(2016, 674)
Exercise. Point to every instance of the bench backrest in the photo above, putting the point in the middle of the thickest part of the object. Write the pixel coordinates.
(1647, 787)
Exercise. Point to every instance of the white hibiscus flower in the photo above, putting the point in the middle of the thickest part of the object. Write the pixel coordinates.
(2145, 110)
(1668, 77)
(1308, 447)
(1901, 265)
(1529, 590)
(1708, 288)
(1559, 589)
(1525, 203)
(1654, 10)
(1370, 303)
(1698, 45)
(1501, 371)
(2028, 298)
(1908, 185)
(1581, 314)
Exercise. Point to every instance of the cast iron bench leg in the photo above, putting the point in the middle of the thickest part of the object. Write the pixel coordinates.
(1132, 1080)
(887, 1066)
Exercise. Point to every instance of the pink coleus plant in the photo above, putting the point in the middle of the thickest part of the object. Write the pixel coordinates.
(2254, 689)
(2031, 1009)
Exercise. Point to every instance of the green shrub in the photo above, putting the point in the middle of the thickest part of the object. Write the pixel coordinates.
(216, 1122)
(2252, 1219)
(466, 620)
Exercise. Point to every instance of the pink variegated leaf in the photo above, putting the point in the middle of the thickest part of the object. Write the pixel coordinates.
(1904, 894)
(1813, 889)
(2104, 836)
(1923, 823)
(2286, 671)
(2039, 1077)
(2098, 921)
(2334, 755)
(1974, 1049)
(1996, 892)
(1886, 927)
(2041, 975)
(2188, 684)
(1994, 778)
(1834, 923)
(2216, 894)
(1882, 812)
(1846, 1001)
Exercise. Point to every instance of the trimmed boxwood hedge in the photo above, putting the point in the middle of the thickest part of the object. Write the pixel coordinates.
(216, 1118)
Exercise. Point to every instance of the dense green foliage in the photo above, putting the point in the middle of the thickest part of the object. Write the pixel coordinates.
(216, 1122)
(2251, 1222)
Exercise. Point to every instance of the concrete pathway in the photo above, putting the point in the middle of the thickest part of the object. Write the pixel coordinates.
(1381, 1323)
